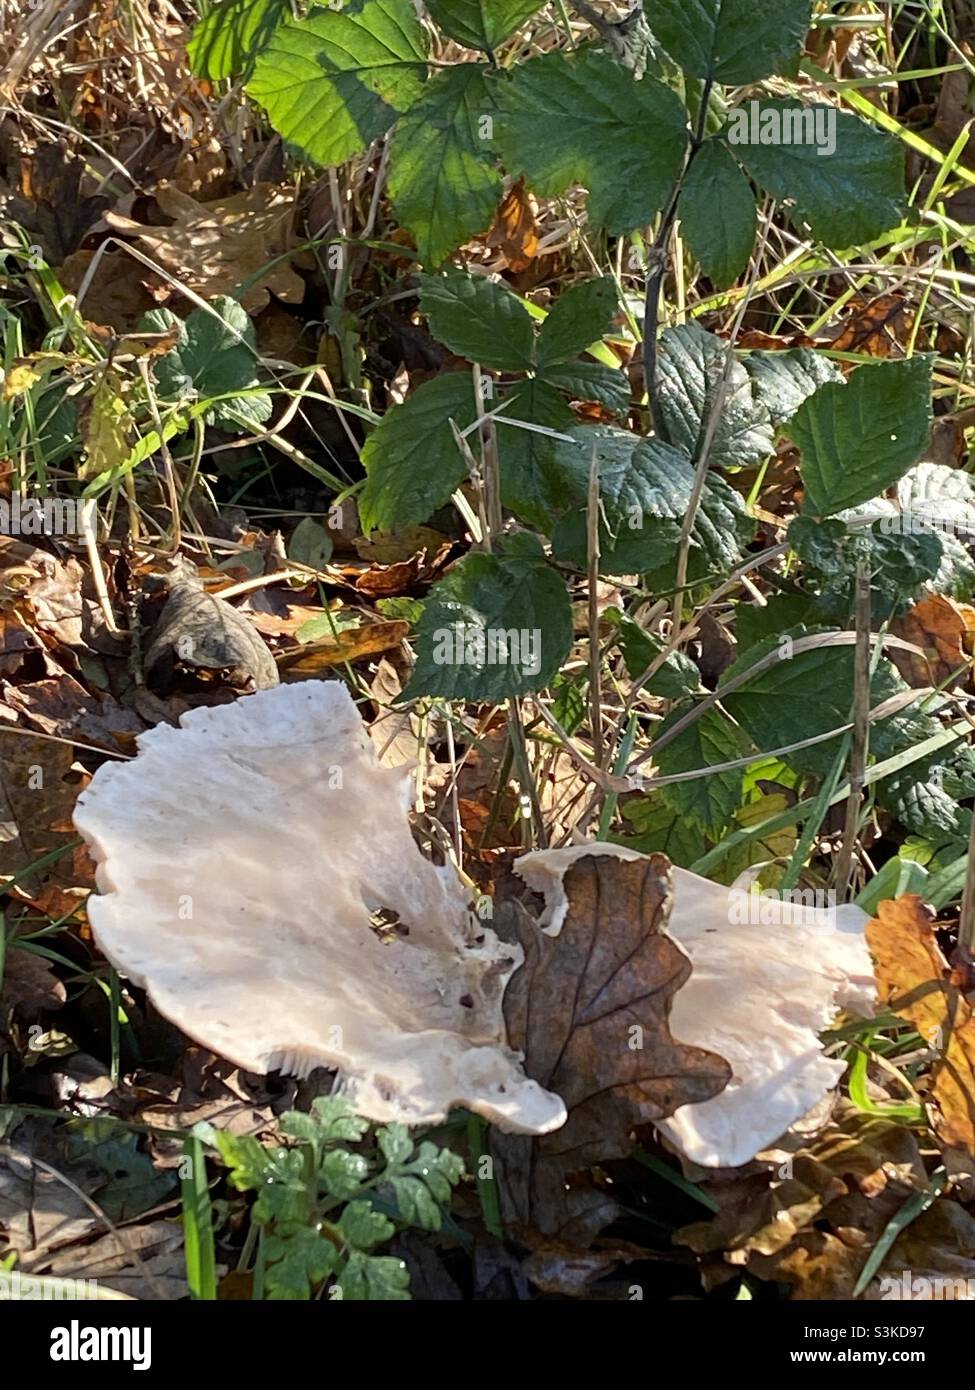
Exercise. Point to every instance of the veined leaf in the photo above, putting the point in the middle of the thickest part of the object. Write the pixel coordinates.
(581, 118)
(480, 319)
(214, 354)
(442, 175)
(580, 316)
(718, 213)
(228, 39)
(481, 23)
(336, 81)
(591, 381)
(781, 381)
(859, 437)
(732, 41)
(534, 480)
(411, 459)
(690, 365)
(847, 196)
(708, 802)
(496, 625)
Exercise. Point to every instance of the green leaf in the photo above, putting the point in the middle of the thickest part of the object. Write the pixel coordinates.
(690, 364)
(858, 438)
(337, 1120)
(376, 1278)
(481, 23)
(226, 42)
(442, 175)
(731, 41)
(660, 830)
(581, 315)
(343, 1173)
(297, 1262)
(718, 213)
(363, 1227)
(534, 482)
(781, 381)
(936, 496)
(215, 354)
(480, 319)
(411, 459)
(336, 81)
(465, 645)
(755, 622)
(416, 1204)
(849, 196)
(676, 678)
(581, 118)
(707, 802)
(310, 544)
(591, 381)
(395, 1144)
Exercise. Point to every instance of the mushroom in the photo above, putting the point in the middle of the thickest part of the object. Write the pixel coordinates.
(242, 861)
(767, 977)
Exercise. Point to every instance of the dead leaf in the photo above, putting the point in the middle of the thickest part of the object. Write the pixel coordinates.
(589, 1009)
(38, 790)
(348, 644)
(29, 987)
(878, 327)
(384, 581)
(203, 633)
(117, 295)
(914, 981)
(515, 230)
(946, 631)
(216, 247)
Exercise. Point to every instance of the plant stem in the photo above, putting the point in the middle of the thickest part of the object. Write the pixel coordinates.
(861, 731)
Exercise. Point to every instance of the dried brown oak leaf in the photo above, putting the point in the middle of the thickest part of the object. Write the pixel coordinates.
(216, 247)
(945, 631)
(590, 1010)
(914, 981)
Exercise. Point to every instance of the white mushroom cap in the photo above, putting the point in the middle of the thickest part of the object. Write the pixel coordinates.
(759, 995)
(240, 858)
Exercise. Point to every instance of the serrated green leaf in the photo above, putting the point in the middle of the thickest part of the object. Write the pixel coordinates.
(848, 196)
(718, 213)
(708, 802)
(581, 315)
(481, 23)
(466, 647)
(581, 118)
(781, 381)
(416, 1204)
(755, 622)
(731, 41)
(858, 438)
(215, 354)
(591, 381)
(226, 42)
(480, 319)
(343, 1173)
(411, 459)
(363, 1227)
(336, 81)
(534, 483)
(443, 178)
(690, 364)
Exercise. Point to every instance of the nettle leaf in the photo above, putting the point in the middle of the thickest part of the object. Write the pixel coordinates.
(480, 319)
(496, 625)
(581, 118)
(690, 363)
(228, 39)
(216, 353)
(443, 178)
(859, 437)
(847, 196)
(534, 481)
(581, 315)
(731, 41)
(411, 459)
(481, 23)
(718, 213)
(707, 802)
(336, 81)
(591, 381)
(781, 381)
